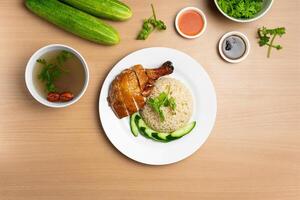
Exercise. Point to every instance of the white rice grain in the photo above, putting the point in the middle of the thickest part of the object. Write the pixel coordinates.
(173, 120)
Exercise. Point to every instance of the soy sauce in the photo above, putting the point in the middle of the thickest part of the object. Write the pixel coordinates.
(234, 47)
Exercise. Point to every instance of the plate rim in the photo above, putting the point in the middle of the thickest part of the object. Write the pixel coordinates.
(157, 163)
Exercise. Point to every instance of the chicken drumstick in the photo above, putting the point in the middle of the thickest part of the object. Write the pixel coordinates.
(128, 91)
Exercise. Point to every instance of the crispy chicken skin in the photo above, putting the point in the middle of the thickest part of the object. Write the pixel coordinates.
(128, 91)
(165, 69)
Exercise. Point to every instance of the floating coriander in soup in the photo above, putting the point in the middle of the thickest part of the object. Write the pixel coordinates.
(59, 76)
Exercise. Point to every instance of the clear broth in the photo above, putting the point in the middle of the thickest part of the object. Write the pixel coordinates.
(72, 81)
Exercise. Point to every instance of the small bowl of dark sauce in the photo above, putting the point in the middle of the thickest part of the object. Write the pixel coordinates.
(234, 47)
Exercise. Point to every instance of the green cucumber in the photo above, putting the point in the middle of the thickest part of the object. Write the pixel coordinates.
(184, 130)
(108, 9)
(160, 136)
(74, 21)
(133, 126)
(143, 128)
(147, 132)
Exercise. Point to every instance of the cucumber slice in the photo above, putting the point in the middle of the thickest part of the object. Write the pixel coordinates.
(145, 130)
(133, 126)
(160, 136)
(141, 125)
(184, 130)
(138, 125)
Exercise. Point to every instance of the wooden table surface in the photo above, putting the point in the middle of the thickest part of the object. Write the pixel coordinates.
(252, 153)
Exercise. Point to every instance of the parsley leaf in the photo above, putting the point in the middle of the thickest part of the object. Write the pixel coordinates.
(172, 103)
(267, 37)
(149, 25)
(162, 100)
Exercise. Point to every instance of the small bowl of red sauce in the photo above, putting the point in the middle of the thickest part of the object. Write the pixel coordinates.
(190, 22)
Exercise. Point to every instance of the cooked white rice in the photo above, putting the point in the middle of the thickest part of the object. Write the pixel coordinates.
(173, 120)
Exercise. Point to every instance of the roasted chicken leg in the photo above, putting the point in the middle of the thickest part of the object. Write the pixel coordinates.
(128, 91)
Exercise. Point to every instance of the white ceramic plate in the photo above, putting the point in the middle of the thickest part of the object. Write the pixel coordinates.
(144, 150)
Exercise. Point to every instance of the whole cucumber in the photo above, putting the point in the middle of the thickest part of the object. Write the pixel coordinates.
(108, 9)
(74, 21)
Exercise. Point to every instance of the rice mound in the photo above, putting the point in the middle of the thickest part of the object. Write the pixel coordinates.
(173, 120)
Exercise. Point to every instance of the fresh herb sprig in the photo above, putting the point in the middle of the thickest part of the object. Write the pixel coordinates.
(162, 100)
(149, 25)
(52, 71)
(241, 9)
(267, 37)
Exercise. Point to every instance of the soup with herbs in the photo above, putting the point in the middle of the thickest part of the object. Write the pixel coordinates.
(59, 76)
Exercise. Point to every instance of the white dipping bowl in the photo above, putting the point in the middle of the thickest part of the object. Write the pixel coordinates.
(244, 38)
(32, 64)
(192, 9)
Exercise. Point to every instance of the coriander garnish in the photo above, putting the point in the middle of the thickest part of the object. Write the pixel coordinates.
(52, 71)
(241, 9)
(163, 99)
(150, 25)
(267, 37)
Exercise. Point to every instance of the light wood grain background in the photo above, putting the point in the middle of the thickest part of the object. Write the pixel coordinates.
(252, 153)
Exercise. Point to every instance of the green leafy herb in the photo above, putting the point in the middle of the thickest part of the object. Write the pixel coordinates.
(241, 9)
(267, 37)
(162, 100)
(52, 71)
(149, 25)
(172, 103)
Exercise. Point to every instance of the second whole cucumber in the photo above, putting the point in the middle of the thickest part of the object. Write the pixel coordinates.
(75, 21)
(108, 9)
